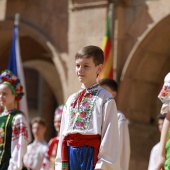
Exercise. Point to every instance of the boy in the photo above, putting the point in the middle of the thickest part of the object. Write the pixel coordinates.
(111, 86)
(13, 125)
(36, 150)
(89, 136)
(155, 150)
(49, 160)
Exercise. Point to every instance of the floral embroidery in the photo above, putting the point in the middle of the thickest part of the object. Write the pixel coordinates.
(164, 93)
(2, 136)
(2, 133)
(18, 146)
(108, 99)
(3, 127)
(80, 115)
(19, 129)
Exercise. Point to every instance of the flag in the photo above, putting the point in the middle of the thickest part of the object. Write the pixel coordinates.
(15, 65)
(107, 71)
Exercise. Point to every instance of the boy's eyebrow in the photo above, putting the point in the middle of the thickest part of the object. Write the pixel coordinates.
(83, 63)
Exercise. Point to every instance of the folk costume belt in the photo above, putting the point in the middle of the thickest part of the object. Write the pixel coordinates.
(78, 140)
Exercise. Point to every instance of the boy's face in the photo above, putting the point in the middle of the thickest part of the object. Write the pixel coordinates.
(87, 71)
(7, 98)
(38, 130)
(57, 122)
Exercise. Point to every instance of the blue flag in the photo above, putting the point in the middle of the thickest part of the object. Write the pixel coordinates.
(15, 65)
(12, 63)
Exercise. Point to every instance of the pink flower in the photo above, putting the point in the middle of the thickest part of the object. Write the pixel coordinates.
(14, 79)
(83, 114)
(88, 95)
(4, 74)
(86, 104)
(80, 124)
(73, 115)
(18, 146)
(71, 124)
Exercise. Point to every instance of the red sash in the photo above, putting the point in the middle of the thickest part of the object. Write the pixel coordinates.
(77, 140)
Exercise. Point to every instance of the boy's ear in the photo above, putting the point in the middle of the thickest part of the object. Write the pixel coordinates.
(114, 93)
(100, 67)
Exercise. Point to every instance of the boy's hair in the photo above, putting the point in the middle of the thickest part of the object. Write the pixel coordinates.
(162, 116)
(38, 120)
(91, 51)
(112, 84)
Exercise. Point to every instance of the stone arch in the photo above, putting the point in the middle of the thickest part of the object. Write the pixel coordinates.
(141, 81)
(37, 53)
(143, 73)
(36, 47)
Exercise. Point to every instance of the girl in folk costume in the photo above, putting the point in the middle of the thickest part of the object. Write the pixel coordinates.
(164, 152)
(49, 160)
(13, 125)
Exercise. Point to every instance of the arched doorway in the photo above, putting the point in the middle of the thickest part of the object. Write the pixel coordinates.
(43, 70)
(142, 79)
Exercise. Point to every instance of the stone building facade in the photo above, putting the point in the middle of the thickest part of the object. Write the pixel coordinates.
(52, 31)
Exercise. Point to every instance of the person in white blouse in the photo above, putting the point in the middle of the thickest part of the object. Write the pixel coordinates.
(112, 86)
(163, 154)
(155, 150)
(89, 137)
(36, 151)
(13, 124)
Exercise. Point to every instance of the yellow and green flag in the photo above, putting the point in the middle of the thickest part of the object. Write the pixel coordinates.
(107, 71)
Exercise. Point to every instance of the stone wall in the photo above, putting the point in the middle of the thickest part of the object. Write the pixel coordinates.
(51, 32)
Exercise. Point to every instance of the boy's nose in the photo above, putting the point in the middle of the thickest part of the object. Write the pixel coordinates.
(81, 69)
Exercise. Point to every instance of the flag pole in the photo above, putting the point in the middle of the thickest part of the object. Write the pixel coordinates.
(115, 42)
(16, 21)
(111, 16)
(110, 13)
(112, 28)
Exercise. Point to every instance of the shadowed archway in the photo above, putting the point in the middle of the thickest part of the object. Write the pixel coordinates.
(144, 72)
(141, 81)
(39, 54)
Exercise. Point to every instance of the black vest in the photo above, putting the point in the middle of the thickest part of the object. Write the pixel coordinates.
(5, 138)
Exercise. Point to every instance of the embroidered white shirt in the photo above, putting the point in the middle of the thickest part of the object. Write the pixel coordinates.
(35, 154)
(19, 142)
(103, 121)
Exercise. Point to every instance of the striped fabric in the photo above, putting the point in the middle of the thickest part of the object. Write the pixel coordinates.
(107, 71)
